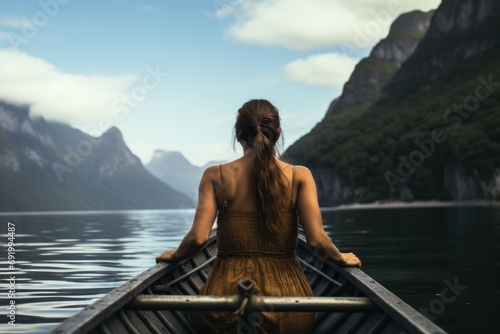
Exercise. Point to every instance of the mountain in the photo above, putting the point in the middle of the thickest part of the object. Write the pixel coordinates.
(175, 170)
(52, 166)
(371, 74)
(367, 81)
(433, 132)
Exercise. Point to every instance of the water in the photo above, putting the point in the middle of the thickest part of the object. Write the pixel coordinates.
(67, 260)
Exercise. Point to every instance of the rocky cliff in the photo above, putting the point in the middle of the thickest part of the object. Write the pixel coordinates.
(368, 79)
(460, 31)
(52, 166)
(433, 132)
(374, 72)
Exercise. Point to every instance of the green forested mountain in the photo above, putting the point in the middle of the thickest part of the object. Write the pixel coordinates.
(367, 81)
(431, 132)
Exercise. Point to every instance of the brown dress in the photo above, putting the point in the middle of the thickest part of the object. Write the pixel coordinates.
(247, 251)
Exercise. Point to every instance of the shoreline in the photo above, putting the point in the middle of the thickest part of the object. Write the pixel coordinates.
(410, 205)
(355, 206)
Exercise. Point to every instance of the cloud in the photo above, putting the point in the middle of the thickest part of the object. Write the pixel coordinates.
(14, 22)
(66, 97)
(147, 8)
(309, 24)
(4, 36)
(226, 8)
(328, 69)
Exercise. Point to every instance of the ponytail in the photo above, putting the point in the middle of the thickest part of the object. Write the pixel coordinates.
(258, 125)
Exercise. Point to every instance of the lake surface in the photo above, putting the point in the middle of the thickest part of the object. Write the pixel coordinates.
(65, 261)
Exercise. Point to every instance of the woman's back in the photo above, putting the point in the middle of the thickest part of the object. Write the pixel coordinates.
(246, 250)
(240, 188)
(257, 199)
(239, 228)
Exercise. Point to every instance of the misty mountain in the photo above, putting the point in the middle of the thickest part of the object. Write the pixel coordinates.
(52, 166)
(175, 170)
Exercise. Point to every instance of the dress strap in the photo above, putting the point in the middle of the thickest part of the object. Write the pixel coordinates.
(223, 188)
(293, 185)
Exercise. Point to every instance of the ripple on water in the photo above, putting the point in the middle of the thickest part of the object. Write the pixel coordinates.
(68, 261)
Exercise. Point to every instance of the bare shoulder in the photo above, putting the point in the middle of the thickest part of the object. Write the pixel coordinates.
(211, 173)
(302, 173)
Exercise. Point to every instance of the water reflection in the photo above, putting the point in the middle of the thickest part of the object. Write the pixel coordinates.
(66, 261)
(413, 251)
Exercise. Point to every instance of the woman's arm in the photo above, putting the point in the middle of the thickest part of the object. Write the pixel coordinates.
(312, 222)
(204, 218)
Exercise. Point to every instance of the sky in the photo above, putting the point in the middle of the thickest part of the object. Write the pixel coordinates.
(171, 75)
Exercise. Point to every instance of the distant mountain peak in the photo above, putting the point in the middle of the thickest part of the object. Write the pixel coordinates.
(113, 133)
(53, 166)
(161, 153)
(12, 116)
(174, 169)
(16, 119)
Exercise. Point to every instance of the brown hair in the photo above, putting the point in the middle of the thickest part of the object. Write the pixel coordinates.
(258, 127)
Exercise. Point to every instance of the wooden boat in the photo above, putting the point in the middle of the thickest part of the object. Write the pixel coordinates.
(349, 300)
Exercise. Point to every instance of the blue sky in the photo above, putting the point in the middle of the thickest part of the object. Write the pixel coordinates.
(172, 74)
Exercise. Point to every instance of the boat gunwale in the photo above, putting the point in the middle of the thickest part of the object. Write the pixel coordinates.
(94, 314)
(97, 312)
(396, 308)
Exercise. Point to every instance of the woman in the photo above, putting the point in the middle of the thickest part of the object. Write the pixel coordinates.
(258, 199)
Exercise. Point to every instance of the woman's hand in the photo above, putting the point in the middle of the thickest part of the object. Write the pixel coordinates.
(349, 260)
(166, 256)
